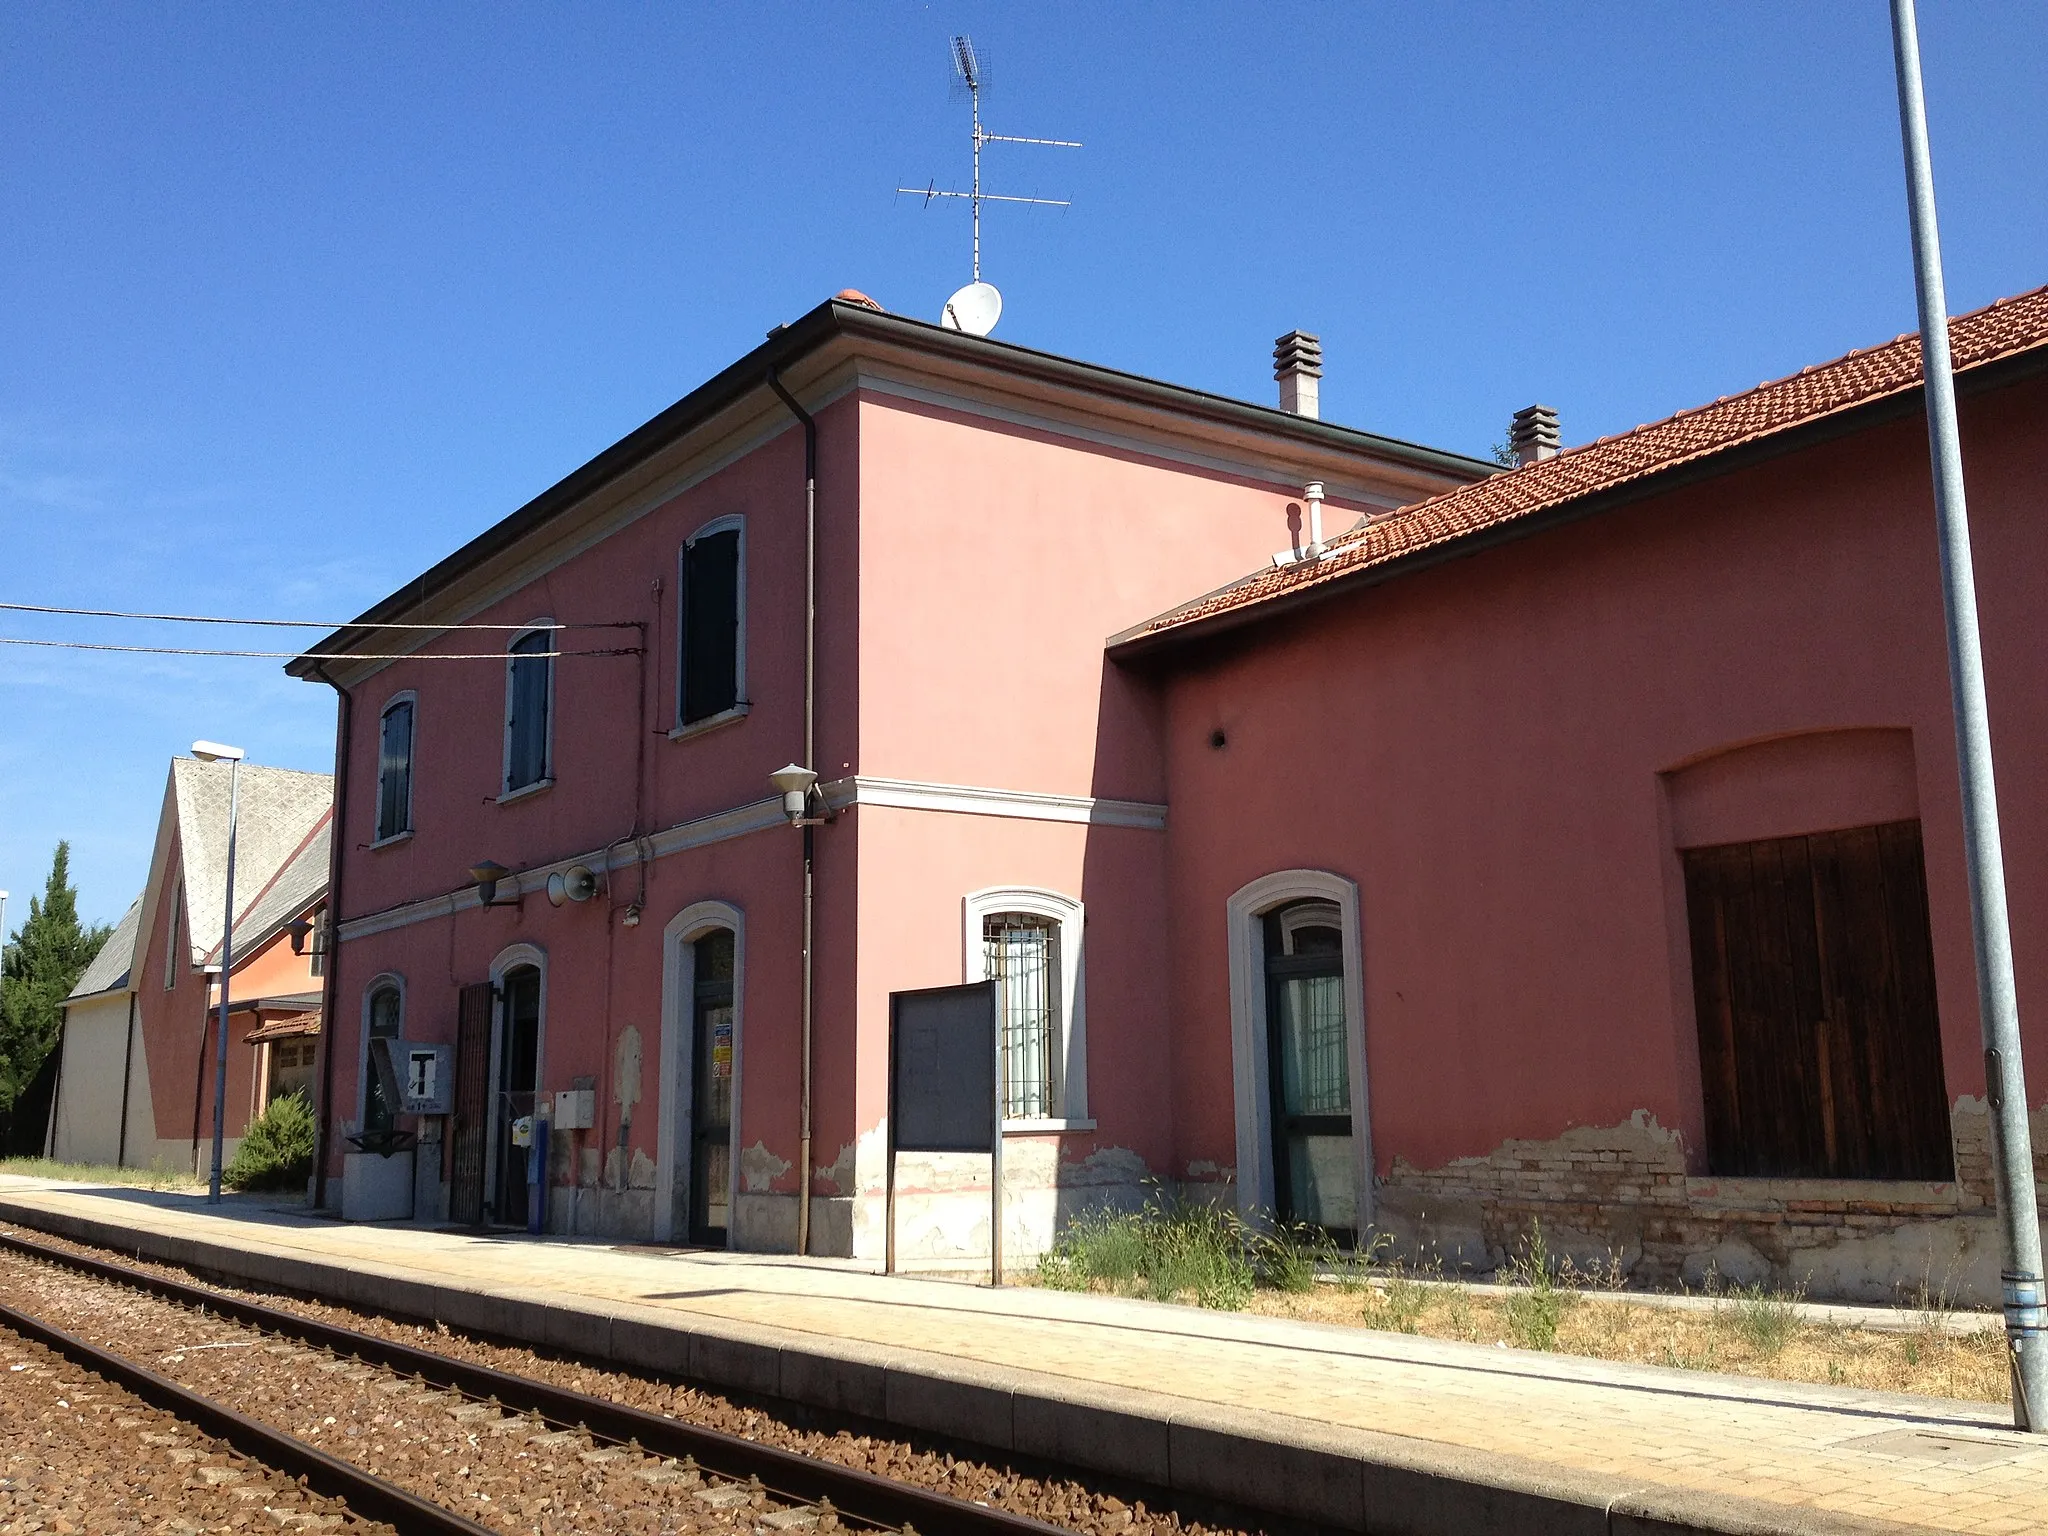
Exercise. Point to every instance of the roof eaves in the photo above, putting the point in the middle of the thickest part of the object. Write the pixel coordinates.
(786, 344)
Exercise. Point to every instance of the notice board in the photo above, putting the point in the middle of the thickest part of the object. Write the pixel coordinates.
(942, 1068)
(943, 1071)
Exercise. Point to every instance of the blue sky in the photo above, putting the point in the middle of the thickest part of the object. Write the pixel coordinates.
(298, 298)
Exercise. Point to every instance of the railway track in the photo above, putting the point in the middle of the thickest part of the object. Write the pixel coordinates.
(686, 1477)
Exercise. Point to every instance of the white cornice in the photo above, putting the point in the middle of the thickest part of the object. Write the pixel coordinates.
(762, 815)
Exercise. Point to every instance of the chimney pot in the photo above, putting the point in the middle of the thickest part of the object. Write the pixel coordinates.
(1532, 434)
(1298, 365)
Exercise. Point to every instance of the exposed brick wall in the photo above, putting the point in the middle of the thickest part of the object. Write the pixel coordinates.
(1617, 1201)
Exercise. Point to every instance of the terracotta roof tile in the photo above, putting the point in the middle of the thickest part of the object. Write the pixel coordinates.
(2006, 327)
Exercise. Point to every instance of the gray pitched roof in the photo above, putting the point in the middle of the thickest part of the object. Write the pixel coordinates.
(281, 822)
(109, 969)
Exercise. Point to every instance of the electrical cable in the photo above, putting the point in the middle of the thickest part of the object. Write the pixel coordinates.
(195, 618)
(186, 650)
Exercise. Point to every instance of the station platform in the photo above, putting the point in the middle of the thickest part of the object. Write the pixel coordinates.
(1341, 1427)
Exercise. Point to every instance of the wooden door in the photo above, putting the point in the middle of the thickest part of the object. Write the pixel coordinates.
(1813, 984)
(472, 1104)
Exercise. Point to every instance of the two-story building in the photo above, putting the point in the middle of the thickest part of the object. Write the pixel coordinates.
(1577, 844)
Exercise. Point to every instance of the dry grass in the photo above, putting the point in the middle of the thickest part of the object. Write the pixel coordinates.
(1747, 1333)
(155, 1177)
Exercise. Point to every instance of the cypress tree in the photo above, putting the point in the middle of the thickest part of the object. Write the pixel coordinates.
(45, 957)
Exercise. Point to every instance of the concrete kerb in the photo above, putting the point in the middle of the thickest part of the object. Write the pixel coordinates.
(1347, 1478)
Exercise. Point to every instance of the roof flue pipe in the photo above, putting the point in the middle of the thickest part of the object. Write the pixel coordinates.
(1298, 365)
(1532, 434)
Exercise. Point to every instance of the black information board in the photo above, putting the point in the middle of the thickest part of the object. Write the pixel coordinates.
(942, 1091)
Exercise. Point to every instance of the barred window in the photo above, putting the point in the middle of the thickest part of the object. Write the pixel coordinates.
(1024, 962)
(387, 1007)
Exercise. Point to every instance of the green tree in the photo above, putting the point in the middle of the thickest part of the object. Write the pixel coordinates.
(45, 957)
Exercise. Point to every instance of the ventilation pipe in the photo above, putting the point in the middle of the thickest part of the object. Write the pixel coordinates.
(1298, 365)
(1312, 493)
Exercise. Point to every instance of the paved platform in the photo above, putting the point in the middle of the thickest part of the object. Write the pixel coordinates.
(1349, 1428)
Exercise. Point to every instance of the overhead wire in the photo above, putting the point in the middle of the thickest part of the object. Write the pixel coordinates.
(196, 618)
(188, 650)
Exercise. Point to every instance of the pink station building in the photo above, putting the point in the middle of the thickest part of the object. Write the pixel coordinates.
(1575, 843)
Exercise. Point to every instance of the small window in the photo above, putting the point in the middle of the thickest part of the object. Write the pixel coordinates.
(177, 883)
(291, 1069)
(387, 1006)
(1024, 963)
(529, 702)
(711, 669)
(394, 770)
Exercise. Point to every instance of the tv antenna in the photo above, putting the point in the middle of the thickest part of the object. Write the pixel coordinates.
(975, 307)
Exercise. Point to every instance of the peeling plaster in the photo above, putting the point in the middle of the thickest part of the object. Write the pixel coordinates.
(836, 1178)
(760, 1168)
(626, 1057)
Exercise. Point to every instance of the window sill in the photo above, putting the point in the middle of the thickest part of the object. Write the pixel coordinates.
(525, 790)
(1054, 1127)
(711, 722)
(393, 840)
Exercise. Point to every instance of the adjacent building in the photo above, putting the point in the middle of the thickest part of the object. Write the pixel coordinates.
(136, 1083)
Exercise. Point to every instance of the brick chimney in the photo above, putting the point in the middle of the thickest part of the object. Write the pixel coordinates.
(1532, 434)
(1298, 365)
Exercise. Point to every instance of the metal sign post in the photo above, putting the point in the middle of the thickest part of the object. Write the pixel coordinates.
(945, 1092)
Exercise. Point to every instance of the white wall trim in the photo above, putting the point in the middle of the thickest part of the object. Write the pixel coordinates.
(1245, 908)
(732, 522)
(678, 1085)
(508, 960)
(975, 908)
(761, 815)
(976, 800)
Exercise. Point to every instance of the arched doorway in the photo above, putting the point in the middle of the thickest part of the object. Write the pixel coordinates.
(700, 1074)
(516, 1034)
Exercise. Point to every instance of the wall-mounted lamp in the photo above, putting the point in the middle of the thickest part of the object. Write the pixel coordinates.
(797, 784)
(301, 929)
(487, 875)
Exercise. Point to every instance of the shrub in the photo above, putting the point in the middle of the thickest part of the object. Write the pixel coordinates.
(277, 1148)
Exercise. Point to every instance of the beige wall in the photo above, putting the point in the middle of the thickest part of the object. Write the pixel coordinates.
(88, 1109)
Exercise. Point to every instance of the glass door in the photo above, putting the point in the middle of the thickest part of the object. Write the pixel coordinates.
(518, 1077)
(1309, 1069)
(711, 1090)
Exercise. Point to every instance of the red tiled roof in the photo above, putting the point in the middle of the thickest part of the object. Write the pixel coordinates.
(284, 1028)
(2006, 327)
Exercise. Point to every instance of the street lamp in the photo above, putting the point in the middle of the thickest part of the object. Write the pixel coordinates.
(214, 752)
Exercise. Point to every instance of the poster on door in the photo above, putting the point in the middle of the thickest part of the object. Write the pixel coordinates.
(721, 1046)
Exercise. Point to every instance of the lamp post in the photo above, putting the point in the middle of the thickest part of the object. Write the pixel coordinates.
(214, 752)
(2005, 1081)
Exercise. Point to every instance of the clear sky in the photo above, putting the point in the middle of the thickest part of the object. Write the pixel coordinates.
(294, 299)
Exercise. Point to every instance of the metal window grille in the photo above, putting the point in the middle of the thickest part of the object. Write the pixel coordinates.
(385, 1007)
(1023, 962)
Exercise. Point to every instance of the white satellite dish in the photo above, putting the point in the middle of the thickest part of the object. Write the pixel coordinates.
(974, 309)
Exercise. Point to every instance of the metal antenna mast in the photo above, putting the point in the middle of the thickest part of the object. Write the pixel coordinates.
(967, 69)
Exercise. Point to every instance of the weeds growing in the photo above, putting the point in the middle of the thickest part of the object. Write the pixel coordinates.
(156, 1176)
(1168, 1250)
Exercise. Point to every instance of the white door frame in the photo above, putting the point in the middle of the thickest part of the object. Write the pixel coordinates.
(678, 1061)
(507, 961)
(1249, 1069)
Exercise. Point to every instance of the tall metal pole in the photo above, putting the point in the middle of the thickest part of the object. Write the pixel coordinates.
(974, 203)
(227, 965)
(1997, 1006)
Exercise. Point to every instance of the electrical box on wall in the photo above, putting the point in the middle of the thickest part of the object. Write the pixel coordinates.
(575, 1109)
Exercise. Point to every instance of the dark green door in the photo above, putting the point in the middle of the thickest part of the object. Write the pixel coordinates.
(711, 1030)
(1308, 1068)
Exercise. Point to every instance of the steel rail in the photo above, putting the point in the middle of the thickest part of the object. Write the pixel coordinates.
(364, 1492)
(856, 1495)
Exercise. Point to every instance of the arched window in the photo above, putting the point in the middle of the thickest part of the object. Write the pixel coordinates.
(1028, 942)
(711, 625)
(383, 1018)
(394, 769)
(529, 710)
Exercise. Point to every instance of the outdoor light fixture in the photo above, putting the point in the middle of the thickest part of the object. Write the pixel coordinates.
(795, 784)
(487, 875)
(300, 929)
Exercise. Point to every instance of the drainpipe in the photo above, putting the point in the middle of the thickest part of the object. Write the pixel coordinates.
(803, 1140)
(345, 719)
(127, 1072)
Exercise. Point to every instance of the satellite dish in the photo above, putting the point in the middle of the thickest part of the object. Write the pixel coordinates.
(974, 309)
